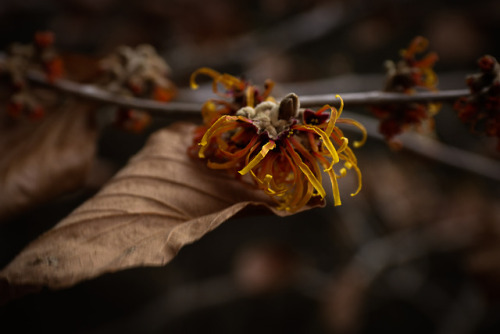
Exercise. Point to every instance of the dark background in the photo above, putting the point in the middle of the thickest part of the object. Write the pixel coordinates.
(415, 252)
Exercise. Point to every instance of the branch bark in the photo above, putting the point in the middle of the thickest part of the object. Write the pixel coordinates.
(379, 97)
(189, 109)
(179, 110)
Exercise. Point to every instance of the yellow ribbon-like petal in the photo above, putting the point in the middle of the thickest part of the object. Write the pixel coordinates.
(203, 70)
(359, 126)
(334, 115)
(206, 137)
(258, 158)
(218, 124)
(225, 79)
(306, 170)
(326, 141)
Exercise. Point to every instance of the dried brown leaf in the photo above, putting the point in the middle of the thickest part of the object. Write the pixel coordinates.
(41, 159)
(161, 201)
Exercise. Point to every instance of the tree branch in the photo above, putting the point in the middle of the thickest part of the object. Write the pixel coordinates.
(378, 97)
(190, 109)
(420, 144)
(171, 109)
(436, 150)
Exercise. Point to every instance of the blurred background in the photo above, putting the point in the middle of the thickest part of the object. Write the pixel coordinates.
(417, 251)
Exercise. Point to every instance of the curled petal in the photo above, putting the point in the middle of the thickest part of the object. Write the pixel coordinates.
(307, 194)
(351, 163)
(345, 142)
(306, 156)
(297, 198)
(312, 142)
(204, 70)
(341, 106)
(228, 81)
(258, 158)
(326, 142)
(268, 184)
(241, 153)
(265, 178)
(305, 169)
(334, 116)
(359, 126)
(250, 93)
(333, 180)
(331, 121)
(265, 183)
(358, 173)
(418, 44)
(212, 130)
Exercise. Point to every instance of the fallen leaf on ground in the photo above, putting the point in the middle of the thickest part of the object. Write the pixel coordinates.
(159, 202)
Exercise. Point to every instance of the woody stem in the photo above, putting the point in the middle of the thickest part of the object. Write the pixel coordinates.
(378, 97)
(190, 109)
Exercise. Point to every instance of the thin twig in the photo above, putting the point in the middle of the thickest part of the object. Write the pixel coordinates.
(378, 97)
(91, 92)
(186, 109)
(436, 150)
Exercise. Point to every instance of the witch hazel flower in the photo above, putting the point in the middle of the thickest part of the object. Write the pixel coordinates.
(238, 93)
(481, 109)
(412, 73)
(39, 55)
(136, 72)
(232, 93)
(284, 150)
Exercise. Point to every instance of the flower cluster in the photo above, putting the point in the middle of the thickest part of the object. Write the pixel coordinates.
(39, 55)
(280, 146)
(481, 109)
(408, 76)
(140, 73)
